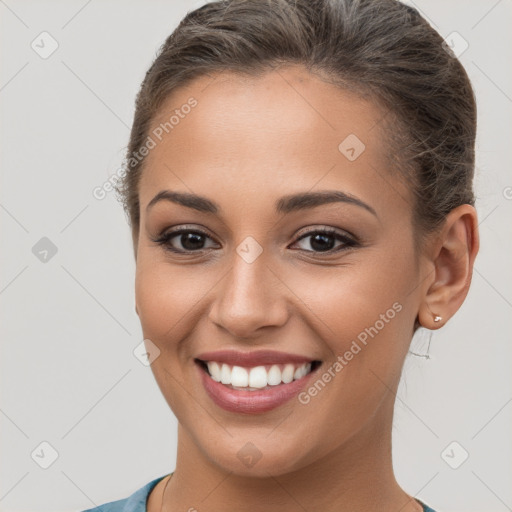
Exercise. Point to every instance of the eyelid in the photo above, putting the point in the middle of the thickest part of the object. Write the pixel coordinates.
(328, 230)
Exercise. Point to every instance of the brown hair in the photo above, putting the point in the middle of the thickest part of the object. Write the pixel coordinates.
(381, 49)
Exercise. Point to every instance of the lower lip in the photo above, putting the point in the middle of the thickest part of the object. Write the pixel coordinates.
(251, 402)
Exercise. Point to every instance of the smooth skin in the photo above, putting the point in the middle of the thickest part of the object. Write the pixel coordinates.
(247, 143)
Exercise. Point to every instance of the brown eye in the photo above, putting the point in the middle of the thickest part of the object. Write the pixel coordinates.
(324, 240)
(183, 240)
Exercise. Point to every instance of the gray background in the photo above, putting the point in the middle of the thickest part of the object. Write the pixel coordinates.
(68, 325)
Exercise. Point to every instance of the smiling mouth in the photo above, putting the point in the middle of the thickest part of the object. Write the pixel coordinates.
(256, 378)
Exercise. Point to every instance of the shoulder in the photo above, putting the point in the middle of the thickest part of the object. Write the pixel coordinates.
(136, 502)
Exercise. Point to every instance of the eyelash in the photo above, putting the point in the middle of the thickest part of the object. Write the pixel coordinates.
(348, 242)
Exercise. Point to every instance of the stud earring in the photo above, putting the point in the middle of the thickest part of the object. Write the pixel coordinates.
(437, 318)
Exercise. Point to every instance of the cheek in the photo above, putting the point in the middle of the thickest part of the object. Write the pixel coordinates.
(362, 314)
(368, 301)
(168, 303)
(165, 298)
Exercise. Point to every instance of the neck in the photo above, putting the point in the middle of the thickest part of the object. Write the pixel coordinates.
(356, 476)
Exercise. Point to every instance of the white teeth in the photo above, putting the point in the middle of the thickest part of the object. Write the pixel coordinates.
(288, 373)
(214, 370)
(257, 377)
(239, 377)
(225, 374)
(300, 372)
(274, 375)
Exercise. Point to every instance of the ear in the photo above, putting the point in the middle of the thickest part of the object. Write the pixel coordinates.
(452, 258)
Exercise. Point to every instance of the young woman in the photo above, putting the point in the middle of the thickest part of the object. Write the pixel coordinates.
(299, 187)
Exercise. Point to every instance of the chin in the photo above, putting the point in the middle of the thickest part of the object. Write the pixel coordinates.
(253, 455)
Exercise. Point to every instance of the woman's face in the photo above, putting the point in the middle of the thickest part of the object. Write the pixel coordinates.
(263, 278)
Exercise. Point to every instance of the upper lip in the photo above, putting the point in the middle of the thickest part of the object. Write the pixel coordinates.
(253, 358)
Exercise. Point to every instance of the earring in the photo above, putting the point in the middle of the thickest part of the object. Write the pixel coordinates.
(437, 318)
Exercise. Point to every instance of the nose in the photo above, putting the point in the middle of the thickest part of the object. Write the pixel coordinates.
(249, 298)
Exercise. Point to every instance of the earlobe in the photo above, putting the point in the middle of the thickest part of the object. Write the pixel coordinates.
(453, 259)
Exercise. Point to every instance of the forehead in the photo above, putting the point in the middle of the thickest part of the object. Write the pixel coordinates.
(282, 132)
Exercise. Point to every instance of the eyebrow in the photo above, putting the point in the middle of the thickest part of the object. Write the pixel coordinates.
(285, 205)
